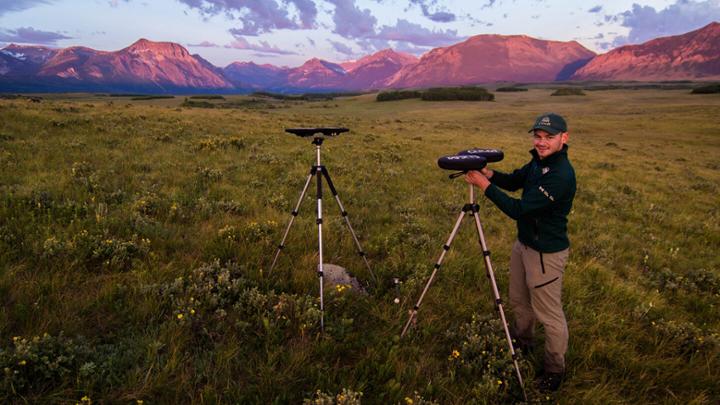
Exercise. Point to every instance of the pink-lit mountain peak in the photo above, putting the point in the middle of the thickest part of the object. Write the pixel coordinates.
(30, 53)
(391, 54)
(252, 64)
(143, 45)
(316, 64)
(383, 56)
(492, 58)
(690, 56)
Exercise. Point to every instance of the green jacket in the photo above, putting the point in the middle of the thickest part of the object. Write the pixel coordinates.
(548, 191)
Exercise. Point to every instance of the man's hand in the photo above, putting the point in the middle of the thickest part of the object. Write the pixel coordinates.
(478, 178)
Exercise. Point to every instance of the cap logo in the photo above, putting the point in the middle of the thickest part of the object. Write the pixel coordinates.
(545, 121)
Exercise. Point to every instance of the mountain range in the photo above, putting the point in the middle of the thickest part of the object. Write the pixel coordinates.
(165, 67)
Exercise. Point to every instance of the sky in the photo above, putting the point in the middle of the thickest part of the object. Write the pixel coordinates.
(288, 32)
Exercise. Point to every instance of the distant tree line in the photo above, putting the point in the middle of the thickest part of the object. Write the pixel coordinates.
(439, 94)
(709, 89)
(510, 89)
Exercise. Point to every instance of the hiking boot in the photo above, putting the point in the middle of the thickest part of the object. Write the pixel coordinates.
(550, 382)
(521, 344)
(525, 347)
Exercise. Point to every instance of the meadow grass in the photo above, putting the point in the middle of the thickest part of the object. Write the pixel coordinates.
(135, 238)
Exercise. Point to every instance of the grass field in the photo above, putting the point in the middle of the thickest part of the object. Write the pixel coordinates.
(134, 235)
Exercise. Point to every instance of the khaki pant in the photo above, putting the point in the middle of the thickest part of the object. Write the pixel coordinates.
(535, 294)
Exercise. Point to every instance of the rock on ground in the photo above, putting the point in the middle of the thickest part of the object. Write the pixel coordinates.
(336, 275)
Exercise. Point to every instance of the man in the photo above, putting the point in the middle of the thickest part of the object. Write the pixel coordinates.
(539, 255)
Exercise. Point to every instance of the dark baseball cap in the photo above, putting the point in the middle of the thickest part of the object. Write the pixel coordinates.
(550, 122)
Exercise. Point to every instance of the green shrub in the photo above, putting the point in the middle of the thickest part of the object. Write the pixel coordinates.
(345, 397)
(208, 97)
(207, 175)
(398, 95)
(696, 281)
(219, 143)
(85, 174)
(457, 93)
(39, 362)
(33, 366)
(568, 91)
(197, 104)
(104, 252)
(681, 337)
(479, 351)
(213, 293)
(709, 89)
(510, 89)
(139, 98)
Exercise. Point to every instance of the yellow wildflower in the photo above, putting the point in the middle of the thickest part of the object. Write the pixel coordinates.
(179, 316)
(22, 362)
(409, 401)
(455, 354)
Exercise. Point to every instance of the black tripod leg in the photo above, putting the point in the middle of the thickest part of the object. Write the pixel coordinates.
(446, 247)
(292, 219)
(347, 221)
(496, 295)
(320, 252)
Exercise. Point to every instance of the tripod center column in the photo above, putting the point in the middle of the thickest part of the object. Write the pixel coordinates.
(318, 142)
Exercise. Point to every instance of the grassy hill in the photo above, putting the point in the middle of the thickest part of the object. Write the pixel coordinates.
(135, 237)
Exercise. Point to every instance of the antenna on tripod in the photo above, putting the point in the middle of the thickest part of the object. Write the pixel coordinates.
(321, 172)
(463, 162)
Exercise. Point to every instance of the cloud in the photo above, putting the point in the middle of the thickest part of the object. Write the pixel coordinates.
(646, 23)
(350, 21)
(374, 44)
(595, 9)
(416, 34)
(409, 48)
(438, 16)
(204, 44)
(307, 12)
(263, 47)
(19, 5)
(341, 48)
(258, 17)
(29, 35)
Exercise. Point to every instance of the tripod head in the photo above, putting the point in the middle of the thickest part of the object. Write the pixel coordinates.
(470, 159)
(491, 155)
(463, 163)
(322, 131)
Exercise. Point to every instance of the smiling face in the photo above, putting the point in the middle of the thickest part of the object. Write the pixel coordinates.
(546, 143)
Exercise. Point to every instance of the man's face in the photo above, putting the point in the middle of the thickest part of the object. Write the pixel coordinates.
(546, 144)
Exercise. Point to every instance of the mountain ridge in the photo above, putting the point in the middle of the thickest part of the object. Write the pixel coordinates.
(152, 66)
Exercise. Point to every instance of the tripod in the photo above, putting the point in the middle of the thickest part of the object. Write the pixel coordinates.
(471, 209)
(320, 171)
